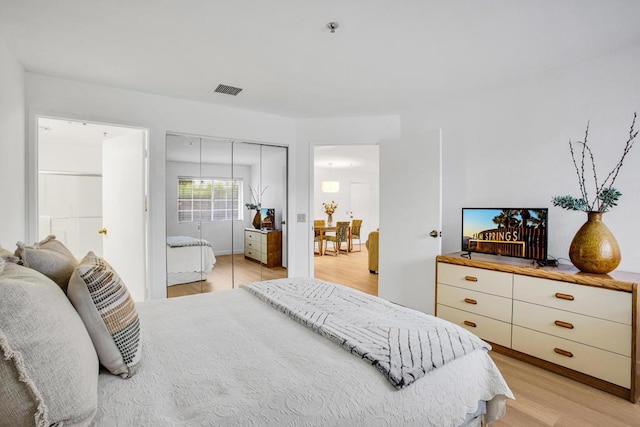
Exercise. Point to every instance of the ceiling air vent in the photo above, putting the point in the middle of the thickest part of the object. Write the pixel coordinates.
(228, 90)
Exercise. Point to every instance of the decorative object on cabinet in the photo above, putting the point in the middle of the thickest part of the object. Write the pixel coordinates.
(264, 246)
(255, 204)
(581, 326)
(594, 248)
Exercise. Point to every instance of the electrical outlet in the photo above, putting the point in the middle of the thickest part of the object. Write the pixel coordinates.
(302, 217)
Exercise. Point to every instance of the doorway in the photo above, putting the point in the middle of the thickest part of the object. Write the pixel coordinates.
(91, 193)
(356, 170)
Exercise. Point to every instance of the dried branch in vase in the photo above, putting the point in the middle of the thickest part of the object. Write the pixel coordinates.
(606, 196)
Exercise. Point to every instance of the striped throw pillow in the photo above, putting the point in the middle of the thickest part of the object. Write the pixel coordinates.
(109, 314)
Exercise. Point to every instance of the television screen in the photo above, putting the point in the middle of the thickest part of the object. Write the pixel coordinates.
(512, 232)
(268, 218)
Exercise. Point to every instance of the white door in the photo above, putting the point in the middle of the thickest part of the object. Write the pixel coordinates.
(123, 209)
(410, 208)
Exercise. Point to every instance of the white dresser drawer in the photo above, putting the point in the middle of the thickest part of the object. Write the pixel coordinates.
(491, 282)
(604, 334)
(492, 306)
(252, 236)
(602, 364)
(253, 254)
(252, 245)
(488, 329)
(597, 302)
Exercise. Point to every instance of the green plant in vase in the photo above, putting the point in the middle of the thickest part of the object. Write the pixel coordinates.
(594, 248)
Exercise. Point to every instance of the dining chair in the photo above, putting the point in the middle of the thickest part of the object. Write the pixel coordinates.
(355, 233)
(317, 236)
(341, 236)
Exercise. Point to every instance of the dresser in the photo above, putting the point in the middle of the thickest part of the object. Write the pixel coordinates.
(583, 326)
(264, 246)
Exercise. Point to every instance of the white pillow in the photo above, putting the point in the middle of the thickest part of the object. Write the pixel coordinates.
(48, 366)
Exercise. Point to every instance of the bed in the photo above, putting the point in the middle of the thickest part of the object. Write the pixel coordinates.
(229, 358)
(188, 259)
(293, 351)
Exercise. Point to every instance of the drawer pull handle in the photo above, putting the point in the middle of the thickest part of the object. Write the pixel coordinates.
(563, 352)
(563, 324)
(565, 296)
(470, 279)
(471, 324)
(470, 301)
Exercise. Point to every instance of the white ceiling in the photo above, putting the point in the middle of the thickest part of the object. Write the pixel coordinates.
(385, 57)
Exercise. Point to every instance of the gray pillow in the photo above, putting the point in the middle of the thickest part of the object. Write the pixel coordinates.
(48, 365)
(50, 257)
(109, 314)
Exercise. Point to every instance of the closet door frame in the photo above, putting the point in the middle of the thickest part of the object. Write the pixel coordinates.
(281, 223)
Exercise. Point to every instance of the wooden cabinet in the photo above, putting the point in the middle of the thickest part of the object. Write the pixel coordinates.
(583, 326)
(263, 246)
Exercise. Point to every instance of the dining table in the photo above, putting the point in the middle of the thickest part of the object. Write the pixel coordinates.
(322, 230)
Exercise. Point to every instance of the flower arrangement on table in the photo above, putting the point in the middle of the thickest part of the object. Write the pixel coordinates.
(330, 208)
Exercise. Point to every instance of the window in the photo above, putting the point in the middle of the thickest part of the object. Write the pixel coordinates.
(209, 199)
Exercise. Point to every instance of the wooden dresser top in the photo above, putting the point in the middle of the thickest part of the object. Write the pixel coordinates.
(616, 280)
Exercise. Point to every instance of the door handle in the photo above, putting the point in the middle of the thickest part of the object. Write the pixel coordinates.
(435, 233)
(102, 231)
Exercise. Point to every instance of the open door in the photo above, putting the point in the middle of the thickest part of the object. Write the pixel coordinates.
(123, 209)
(410, 219)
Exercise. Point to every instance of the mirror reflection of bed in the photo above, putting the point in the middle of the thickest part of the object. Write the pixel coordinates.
(223, 273)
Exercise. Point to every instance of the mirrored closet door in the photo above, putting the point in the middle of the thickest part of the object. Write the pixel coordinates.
(226, 210)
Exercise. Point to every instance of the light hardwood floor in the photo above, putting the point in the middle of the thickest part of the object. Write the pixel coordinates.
(542, 398)
(349, 269)
(224, 275)
(547, 399)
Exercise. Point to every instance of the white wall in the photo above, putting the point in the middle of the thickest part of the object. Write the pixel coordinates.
(508, 146)
(159, 114)
(326, 131)
(12, 153)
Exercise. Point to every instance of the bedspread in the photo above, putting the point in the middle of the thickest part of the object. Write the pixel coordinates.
(229, 359)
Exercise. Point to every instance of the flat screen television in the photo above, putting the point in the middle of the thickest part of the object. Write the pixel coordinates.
(267, 218)
(514, 232)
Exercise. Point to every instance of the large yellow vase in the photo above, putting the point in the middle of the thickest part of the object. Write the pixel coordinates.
(594, 248)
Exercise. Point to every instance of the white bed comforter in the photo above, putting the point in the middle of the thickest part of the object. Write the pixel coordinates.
(188, 263)
(228, 358)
